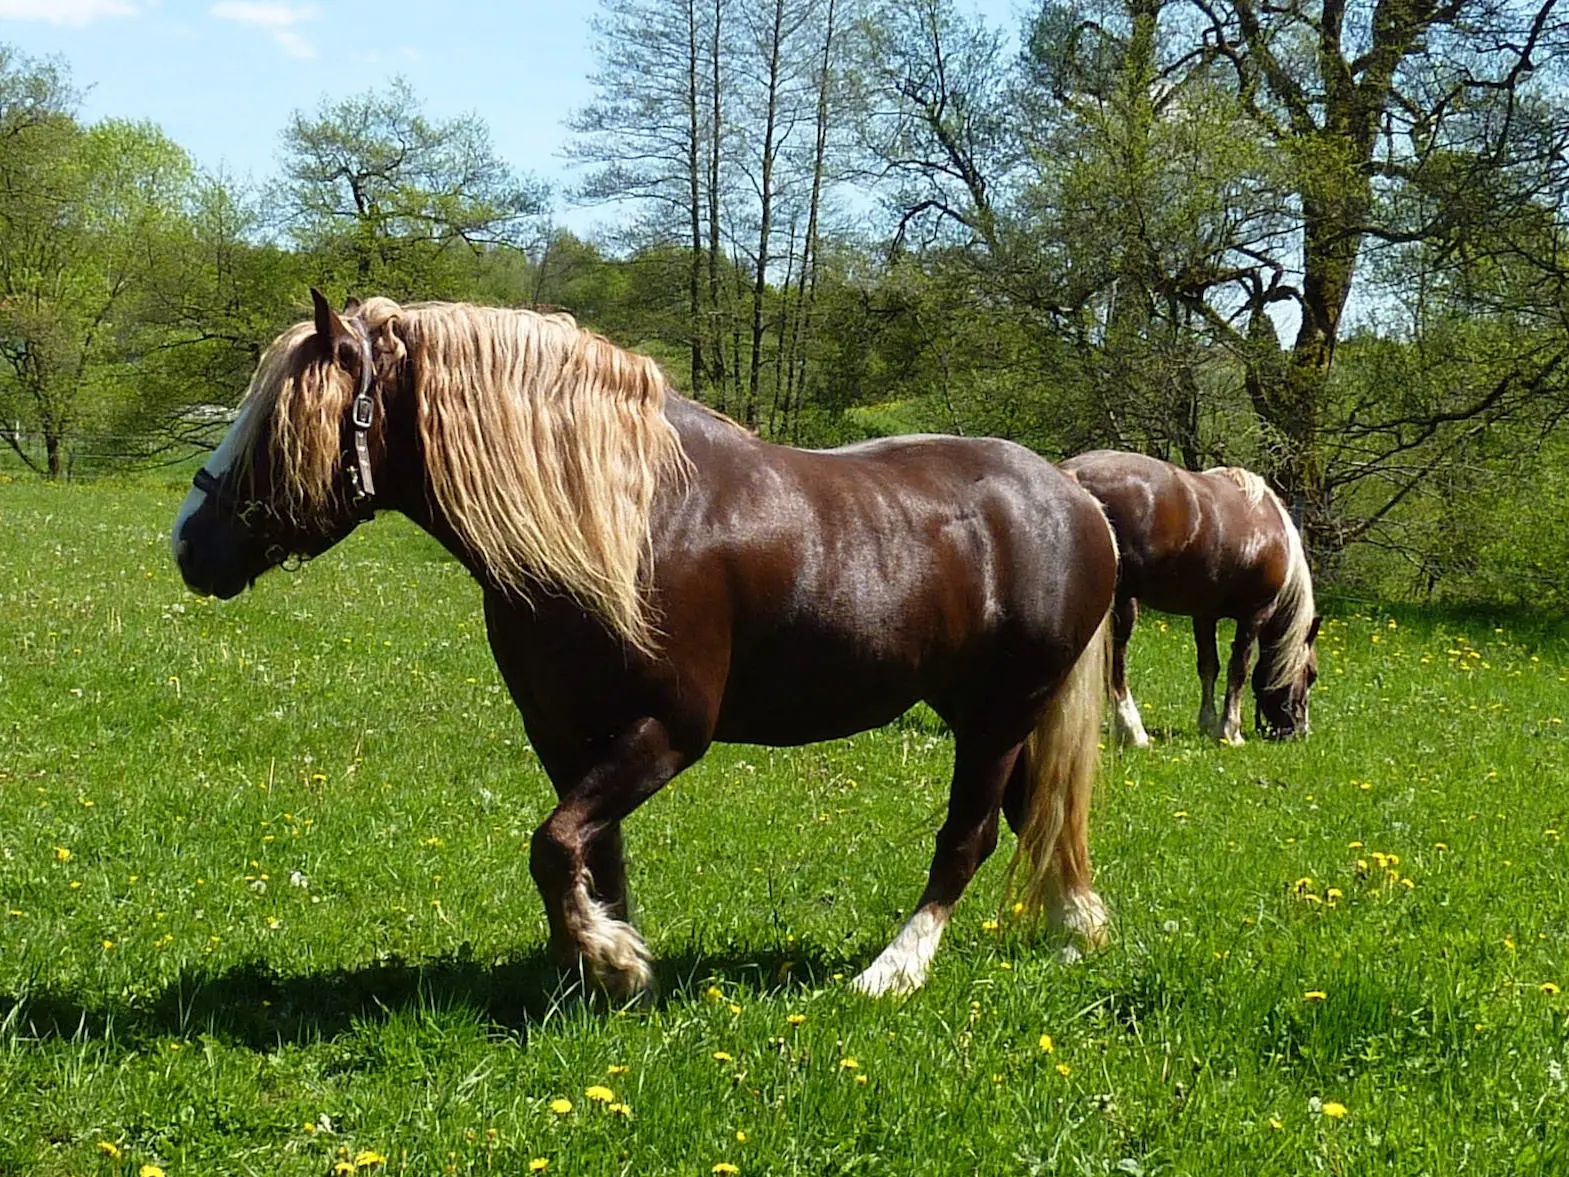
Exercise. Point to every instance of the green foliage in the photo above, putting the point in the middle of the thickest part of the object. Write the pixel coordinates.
(265, 867)
(389, 202)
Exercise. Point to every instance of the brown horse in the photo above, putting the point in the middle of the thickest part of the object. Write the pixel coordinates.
(1211, 545)
(656, 579)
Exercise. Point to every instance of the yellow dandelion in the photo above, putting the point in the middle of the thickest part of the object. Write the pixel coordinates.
(796, 1019)
(860, 1080)
(1334, 893)
(617, 1069)
(1440, 845)
(1018, 909)
(561, 1107)
(1064, 1070)
(1275, 1124)
(368, 1159)
(734, 1008)
(109, 1149)
(1315, 995)
(600, 1094)
(723, 1056)
(108, 944)
(1302, 884)
(1549, 988)
(1354, 845)
(740, 1137)
(539, 1164)
(724, 1169)
(848, 1064)
(713, 993)
(1335, 1111)
(342, 1168)
(619, 1109)
(1047, 1044)
(61, 854)
(149, 1171)
(988, 925)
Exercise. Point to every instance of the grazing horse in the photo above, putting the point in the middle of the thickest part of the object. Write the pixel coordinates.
(655, 579)
(1211, 545)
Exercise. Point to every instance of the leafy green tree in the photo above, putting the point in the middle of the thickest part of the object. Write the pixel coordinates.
(82, 211)
(390, 201)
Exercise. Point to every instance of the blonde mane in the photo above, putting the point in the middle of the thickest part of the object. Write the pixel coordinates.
(1294, 604)
(544, 443)
(1249, 483)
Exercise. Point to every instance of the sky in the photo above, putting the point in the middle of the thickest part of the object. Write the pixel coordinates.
(221, 77)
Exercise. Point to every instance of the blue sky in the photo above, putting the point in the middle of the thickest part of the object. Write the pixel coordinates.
(222, 76)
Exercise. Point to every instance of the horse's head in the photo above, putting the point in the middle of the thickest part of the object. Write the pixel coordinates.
(1282, 712)
(296, 472)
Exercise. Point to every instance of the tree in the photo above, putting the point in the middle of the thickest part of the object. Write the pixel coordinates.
(393, 202)
(645, 133)
(81, 211)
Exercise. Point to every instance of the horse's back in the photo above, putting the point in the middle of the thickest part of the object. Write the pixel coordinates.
(847, 584)
(1210, 543)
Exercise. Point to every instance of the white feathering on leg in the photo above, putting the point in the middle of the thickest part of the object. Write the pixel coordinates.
(1083, 915)
(615, 954)
(1130, 725)
(901, 968)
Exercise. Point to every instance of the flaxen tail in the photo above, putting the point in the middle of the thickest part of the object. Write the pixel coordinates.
(1063, 757)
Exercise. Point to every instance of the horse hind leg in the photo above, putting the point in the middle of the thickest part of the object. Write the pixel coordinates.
(966, 840)
(1129, 724)
(1047, 802)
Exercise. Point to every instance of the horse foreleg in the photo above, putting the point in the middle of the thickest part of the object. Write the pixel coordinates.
(1236, 679)
(1209, 671)
(966, 839)
(1129, 725)
(576, 859)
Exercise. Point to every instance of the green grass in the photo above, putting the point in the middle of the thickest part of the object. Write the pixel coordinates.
(263, 865)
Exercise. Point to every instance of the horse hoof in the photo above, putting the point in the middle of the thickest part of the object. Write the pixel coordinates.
(881, 981)
(1234, 739)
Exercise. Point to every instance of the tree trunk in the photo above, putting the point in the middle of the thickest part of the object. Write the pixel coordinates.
(694, 170)
(715, 142)
(765, 221)
(806, 291)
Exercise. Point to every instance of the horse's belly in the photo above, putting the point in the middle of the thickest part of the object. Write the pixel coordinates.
(784, 702)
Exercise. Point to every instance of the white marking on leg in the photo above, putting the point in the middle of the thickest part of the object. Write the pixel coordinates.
(1232, 731)
(1130, 726)
(615, 954)
(217, 464)
(901, 968)
(1083, 915)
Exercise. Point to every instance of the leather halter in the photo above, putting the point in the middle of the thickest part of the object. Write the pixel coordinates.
(362, 483)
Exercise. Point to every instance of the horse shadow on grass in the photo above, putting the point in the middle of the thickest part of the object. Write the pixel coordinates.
(255, 1006)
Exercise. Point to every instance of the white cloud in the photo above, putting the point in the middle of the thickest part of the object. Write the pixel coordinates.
(75, 13)
(275, 19)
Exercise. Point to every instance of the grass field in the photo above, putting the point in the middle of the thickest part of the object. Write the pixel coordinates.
(266, 908)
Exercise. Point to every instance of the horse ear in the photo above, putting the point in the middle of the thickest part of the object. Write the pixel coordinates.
(1312, 633)
(330, 329)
